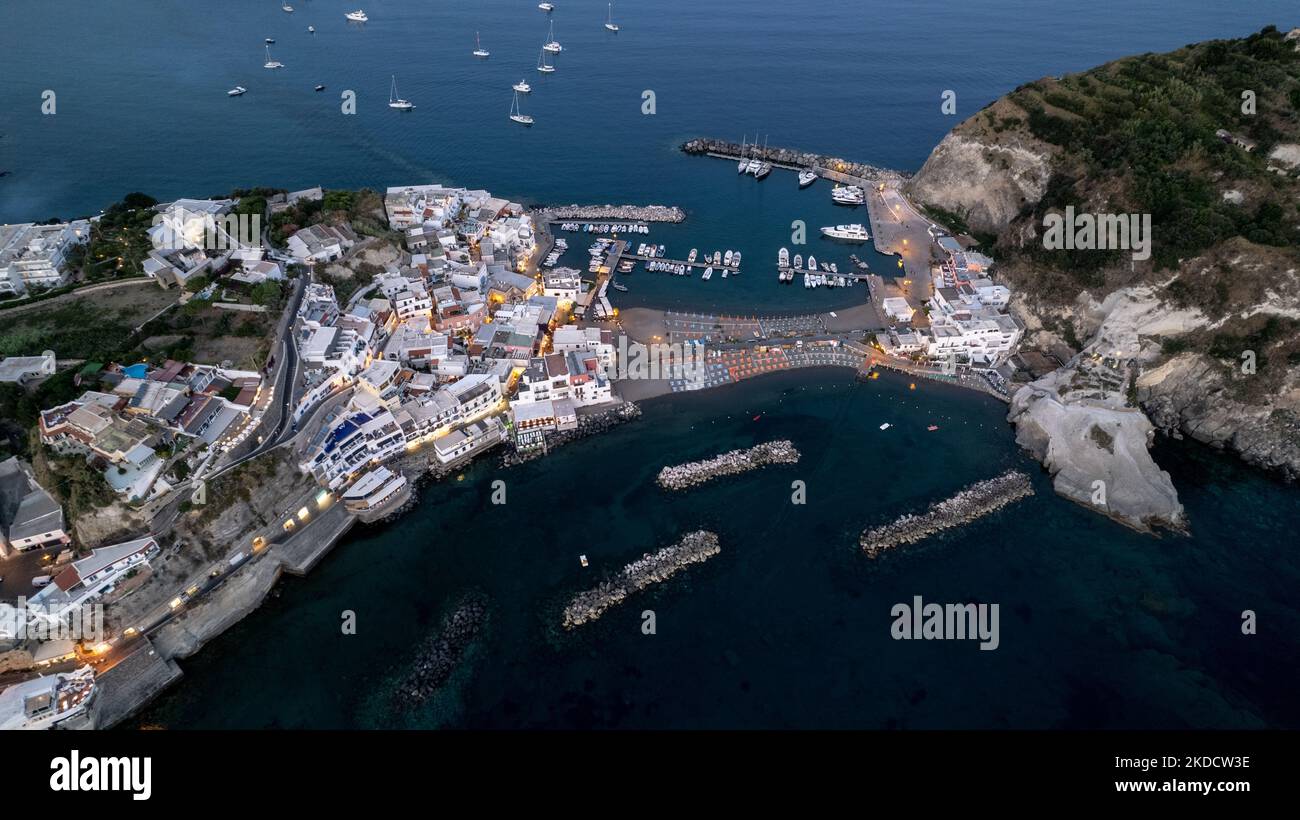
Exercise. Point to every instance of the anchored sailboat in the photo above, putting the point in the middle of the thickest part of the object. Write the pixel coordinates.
(479, 51)
(395, 101)
(516, 115)
(269, 62)
(551, 44)
(541, 63)
(609, 19)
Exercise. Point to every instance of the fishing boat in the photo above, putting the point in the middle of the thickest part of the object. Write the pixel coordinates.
(479, 51)
(395, 101)
(357, 16)
(551, 44)
(522, 87)
(806, 178)
(783, 258)
(542, 65)
(609, 19)
(269, 62)
(236, 91)
(517, 115)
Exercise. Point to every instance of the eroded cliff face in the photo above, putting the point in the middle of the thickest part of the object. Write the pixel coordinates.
(1203, 344)
(987, 181)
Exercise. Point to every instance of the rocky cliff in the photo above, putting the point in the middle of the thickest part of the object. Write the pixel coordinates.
(1202, 339)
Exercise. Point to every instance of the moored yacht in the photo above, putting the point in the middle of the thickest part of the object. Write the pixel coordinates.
(691, 257)
(236, 91)
(798, 260)
(847, 195)
(783, 258)
(522, 87)
(726, 259)
(357, 16)
(812, 264)
(286, 8)
(547, 7)
(847, 233)
(806, 178)
(764, 169)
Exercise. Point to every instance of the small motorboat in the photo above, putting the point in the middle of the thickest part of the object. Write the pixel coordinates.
(320, 88)
(270, 40)
(236, 91)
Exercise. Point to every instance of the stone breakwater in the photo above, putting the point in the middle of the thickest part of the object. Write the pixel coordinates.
(791, 157)
(693, 473)
(652, 568)
(588, 425)
(975, 501)
(438, 658)
(611, 213)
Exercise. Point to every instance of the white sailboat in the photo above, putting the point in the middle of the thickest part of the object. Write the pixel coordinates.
(269, 62)
(286, 8)
(609, 19)
(551, 44)
(479, 51)
(395, 101)
(522, 87)
(516, 115)
(541, 64)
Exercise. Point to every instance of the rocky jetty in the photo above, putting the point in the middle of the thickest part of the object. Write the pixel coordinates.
(588, 425)
(694, 473)
(652, 568)
(973, 502)
(791, 157)
(438, 658)
(611, 213)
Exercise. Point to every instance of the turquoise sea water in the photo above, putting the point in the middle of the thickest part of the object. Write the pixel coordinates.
(789, 626)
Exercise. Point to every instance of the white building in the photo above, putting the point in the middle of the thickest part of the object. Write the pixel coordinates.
(23, 369)
(34, 257)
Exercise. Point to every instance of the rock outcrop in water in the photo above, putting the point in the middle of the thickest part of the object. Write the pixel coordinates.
(736, 461)
(438, 658)
(975, 501)
(652, 568)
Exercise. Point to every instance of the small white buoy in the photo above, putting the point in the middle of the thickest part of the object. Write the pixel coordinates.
(583, 559)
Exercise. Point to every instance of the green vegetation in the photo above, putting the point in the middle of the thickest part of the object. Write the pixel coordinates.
(119, 240)
(1142, 132)
(363, 210)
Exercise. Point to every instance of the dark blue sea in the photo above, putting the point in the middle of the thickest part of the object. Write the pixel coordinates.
(789, 625)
